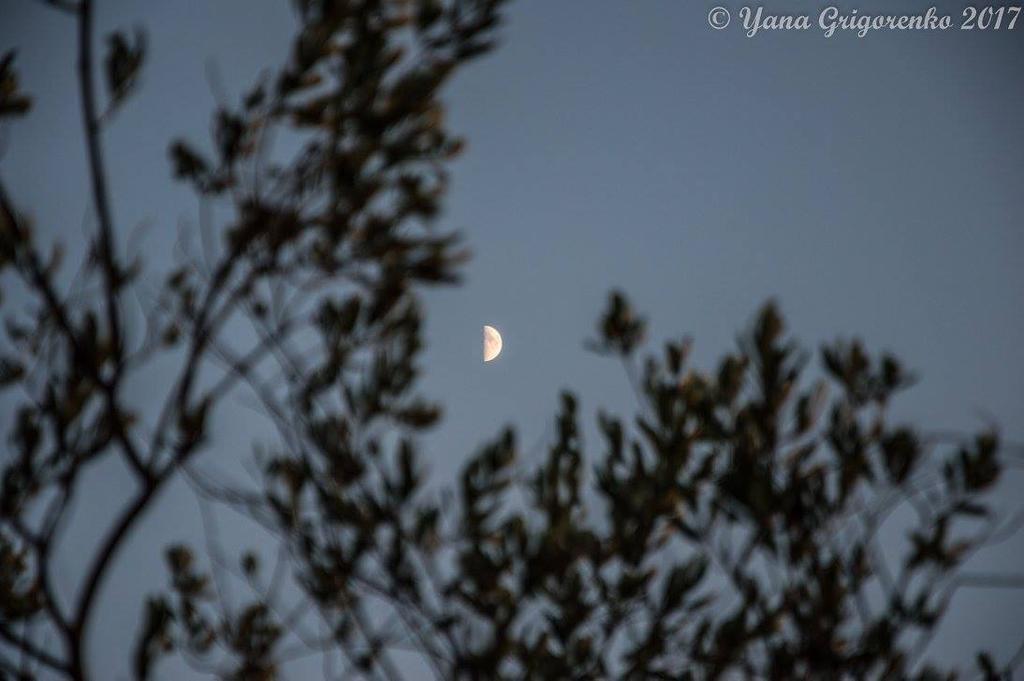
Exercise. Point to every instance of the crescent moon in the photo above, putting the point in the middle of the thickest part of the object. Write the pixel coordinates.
(492, 343)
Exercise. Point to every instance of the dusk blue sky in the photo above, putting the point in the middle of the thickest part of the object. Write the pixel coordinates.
(873, 186)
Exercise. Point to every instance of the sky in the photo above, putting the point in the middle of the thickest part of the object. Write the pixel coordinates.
(873, 186)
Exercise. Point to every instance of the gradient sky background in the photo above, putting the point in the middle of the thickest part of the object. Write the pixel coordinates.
(874, 186)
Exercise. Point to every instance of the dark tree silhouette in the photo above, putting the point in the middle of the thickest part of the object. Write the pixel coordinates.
(729, 530)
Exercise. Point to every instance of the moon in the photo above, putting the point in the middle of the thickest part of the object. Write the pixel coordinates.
(492, 343)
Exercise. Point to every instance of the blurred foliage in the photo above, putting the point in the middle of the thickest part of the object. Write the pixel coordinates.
(729, 529)
(13, 102)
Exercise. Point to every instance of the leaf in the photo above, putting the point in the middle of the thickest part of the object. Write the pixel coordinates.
(11, 371)
(987, 666)
(418, 415)
(621, 331)
(428, 12)
(229, 132)
(900, 452)
(155, 637)
(681, 580)
(188, 164)
(124, 59)
(250, 564)
(12, 101)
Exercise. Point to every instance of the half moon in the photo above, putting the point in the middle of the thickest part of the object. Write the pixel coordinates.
(492, 343)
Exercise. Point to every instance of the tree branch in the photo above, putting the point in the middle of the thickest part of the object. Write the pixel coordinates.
(32, 651)
(109, 549)
(90, 119)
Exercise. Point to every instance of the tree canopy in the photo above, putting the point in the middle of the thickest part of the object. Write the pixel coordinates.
(729, 528)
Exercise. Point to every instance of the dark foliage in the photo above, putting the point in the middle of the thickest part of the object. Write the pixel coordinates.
(728, 530)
